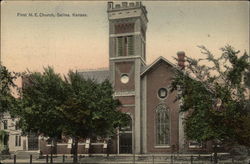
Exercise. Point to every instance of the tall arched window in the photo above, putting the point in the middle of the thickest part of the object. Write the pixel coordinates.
(162, 126)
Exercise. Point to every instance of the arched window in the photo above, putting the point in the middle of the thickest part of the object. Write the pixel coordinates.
(127, 128)
(162, 125)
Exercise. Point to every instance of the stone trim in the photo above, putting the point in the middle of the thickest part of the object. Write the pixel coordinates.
(128, 105)
(124, 34)
(162, 147)
(126, 93)
(155, 62)
(144, 114)
(137, 116)
(127, 58)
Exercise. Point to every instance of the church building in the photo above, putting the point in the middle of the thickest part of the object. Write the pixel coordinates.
(143, 90)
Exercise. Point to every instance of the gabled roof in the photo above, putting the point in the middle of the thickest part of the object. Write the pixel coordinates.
(99, 75)
(158, 60)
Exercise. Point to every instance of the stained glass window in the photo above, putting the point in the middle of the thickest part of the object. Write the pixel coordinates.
(162, 125)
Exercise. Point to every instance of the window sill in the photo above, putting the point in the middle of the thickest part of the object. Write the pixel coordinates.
(62, 144)
(162, 147)
(195, 147)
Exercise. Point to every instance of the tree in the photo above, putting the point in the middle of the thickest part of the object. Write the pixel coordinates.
(214, 96)
(73, 107)
(42, 95)
(90, 110)
(7, 101)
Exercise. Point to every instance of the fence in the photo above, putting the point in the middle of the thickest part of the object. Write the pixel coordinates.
(125, 159)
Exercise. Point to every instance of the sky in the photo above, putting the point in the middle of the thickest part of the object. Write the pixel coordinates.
(29, 42)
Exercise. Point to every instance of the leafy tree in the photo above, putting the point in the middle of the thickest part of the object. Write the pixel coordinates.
(75, 107)
(42, 95)
(7, 101)
(214, 96)
(90, 110)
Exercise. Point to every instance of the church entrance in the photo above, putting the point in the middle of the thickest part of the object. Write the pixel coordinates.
(125, 143)
(32, 142)
(125, 139)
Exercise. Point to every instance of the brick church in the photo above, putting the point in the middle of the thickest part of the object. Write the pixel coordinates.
(143, 90)
(156, 124)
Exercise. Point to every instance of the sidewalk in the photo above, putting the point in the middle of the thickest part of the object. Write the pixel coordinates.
(130, 159)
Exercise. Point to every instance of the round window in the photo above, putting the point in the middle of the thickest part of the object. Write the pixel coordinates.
(162, 93)
(124, 78)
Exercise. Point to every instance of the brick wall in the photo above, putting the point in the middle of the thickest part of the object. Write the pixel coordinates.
(160, 77)
(124, 67)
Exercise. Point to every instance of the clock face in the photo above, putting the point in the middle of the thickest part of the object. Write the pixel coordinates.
(124, 78)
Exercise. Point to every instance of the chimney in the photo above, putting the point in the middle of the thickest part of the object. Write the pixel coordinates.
(181, 59)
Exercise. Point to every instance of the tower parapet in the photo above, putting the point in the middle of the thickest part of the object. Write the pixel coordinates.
(124, 5)
(118, 10)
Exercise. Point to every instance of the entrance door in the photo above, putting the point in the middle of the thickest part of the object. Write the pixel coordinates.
(125, 143)
(32, 142)
(125, 139)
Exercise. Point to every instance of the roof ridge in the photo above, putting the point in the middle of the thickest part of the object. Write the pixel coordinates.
(156, 61)
(93, 69)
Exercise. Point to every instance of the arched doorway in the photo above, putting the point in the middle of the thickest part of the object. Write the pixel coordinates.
(125, 139)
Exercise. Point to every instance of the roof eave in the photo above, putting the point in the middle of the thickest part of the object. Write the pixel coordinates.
(161, 58)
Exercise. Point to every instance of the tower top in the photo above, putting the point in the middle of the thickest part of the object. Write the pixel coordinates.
(127, 30)
(118, 10)
(114, 6)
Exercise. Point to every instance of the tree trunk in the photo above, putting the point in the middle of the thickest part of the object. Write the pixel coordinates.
(215, 153)
(51, 151)
(74, 150)
(53, 148)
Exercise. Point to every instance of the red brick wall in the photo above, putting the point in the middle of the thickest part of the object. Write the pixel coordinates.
(124, 67)
(129, 109)
(128, 68)
(160, 76)
(43, 148)
(127, 100)
(124, 28)
(62, 149)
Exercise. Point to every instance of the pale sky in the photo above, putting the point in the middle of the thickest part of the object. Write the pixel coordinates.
(82, 42)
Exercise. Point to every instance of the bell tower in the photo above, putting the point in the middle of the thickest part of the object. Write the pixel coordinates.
(127, 56)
